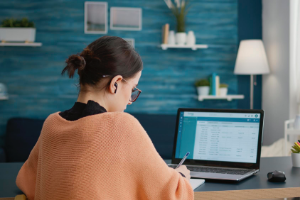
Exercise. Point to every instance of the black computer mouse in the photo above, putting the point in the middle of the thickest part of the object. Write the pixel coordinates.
(276, 176)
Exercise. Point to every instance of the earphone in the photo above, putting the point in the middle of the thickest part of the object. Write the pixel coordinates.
(116, 85)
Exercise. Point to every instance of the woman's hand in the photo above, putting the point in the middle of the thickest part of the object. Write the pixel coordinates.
(185, 171)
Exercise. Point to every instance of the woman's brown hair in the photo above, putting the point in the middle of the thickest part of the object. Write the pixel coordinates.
(108, 55)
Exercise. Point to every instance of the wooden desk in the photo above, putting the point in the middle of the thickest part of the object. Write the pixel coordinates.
(255, 187)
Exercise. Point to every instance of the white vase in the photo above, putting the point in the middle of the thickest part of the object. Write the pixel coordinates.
(190, 40)
(3, 90)
(180, 38)
(296, 159)
(297, 122)
(223, 92)
(17, 34)
(203, 90)
(171, 39)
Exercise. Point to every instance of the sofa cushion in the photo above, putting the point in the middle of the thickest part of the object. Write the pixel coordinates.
(21, 136)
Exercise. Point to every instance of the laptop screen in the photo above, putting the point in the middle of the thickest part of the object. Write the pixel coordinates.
(218, 136)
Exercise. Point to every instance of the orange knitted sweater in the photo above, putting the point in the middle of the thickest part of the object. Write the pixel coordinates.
(104, 156)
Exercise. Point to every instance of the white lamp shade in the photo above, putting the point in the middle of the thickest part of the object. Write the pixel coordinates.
(251, 58)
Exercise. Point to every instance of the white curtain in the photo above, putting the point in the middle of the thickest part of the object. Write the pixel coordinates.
(295, 51)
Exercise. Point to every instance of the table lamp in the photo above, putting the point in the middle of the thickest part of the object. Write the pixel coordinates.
(251, 60)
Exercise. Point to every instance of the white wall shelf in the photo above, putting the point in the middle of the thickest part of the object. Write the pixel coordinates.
(212, 97)
(29, 44)
(193, 47)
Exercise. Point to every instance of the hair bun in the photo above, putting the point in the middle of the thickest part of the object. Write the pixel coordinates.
(74, 62)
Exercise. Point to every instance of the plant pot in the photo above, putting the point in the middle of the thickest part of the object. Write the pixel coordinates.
(17, 34)
(296, 159)
(223, 92)
(203, 90)
(181, 38)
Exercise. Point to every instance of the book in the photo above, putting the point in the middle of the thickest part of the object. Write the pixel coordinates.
(217, 86)
(213, 86)
(210, 83)
(196, 182)
(163, 35)
(166, 33)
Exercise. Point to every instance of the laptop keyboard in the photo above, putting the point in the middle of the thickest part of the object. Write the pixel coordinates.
(219, 170)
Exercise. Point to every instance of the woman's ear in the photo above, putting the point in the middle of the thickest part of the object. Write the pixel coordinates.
(114, 84)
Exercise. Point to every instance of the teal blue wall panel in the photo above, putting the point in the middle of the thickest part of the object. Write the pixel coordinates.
(249, 27)
(37, 89)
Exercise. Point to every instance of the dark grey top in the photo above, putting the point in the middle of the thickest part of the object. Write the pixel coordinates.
(9, 171)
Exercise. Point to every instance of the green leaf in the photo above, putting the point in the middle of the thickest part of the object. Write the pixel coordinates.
(296, 148)
(294, 151)
(17, 23)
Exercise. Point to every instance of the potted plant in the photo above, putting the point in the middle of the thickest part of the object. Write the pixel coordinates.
(13, 30)
(202, 87)
(179, 10)
(296, 154)
(223, 89)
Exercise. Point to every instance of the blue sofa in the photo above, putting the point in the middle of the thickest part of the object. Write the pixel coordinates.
(22, 134)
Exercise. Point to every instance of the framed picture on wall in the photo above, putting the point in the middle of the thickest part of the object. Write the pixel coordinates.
(130, 41)
(95, 17)
(127, 19)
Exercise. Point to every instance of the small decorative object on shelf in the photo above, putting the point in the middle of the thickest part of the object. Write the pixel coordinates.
(191, 40)
(13, 30)
(165, 34)
(3, 92)
(296, 154)
(171, 38)
(223, 90)
(214, 84)
(180, 38)
(202, 87)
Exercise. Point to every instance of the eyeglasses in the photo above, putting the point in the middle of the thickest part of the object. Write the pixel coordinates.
(135, 91)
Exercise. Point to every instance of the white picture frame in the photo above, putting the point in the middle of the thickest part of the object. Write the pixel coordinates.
(130, 41)
(95, 17)
(125, 18)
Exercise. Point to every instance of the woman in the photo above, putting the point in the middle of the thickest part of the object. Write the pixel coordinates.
(95, 150)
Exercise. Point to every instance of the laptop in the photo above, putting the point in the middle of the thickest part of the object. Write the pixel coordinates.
(223, 144)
